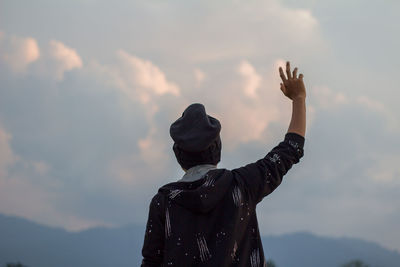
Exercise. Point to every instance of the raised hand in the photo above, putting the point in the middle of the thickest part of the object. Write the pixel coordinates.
(292, 86)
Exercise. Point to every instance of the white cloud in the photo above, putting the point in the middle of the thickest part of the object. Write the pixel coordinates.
(142, 86)
(392, 122)
(252, 79)
(250, 29)
(61, 59)
(299, 23)
(151, 160)
(370, 103)
(152, 148)
(18, 52)
(199, 76)
(137, 79)
(324, 97)
(54, 60)
(238, 112)
(142, 82)
(140, 78)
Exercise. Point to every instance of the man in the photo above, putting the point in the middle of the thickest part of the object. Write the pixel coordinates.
(208, 218)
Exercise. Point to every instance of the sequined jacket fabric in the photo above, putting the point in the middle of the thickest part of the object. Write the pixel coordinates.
(212, 221)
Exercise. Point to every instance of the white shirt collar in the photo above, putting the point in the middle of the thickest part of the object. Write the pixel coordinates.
(197, 172)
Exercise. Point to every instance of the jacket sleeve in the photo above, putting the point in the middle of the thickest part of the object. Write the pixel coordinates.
(263, 176)
(153, 246)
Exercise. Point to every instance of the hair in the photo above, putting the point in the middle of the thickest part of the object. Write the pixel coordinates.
(187, 159)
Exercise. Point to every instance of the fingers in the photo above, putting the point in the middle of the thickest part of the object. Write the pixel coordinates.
(289, 75)
(295, 73)
(282, 74)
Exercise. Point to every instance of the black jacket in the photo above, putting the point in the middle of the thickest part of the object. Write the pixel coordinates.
(212, 221)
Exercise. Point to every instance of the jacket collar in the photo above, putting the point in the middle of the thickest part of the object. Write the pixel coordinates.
(197, 172)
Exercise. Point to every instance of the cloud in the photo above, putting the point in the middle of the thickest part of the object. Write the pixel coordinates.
(248, 101)
(96, 162)
(386, 169)
(152, 148)
(251, 79)
(349, 170)
(199, 76)
(142, 83)
(299, 23)
(324, 97)
(26, 190)
(53, 60)
(7, 156)
(141, 79)
(141, 88)
(18, 52)
(378, 107)
(152, 160)
(61, 59)
(250, 30)
(41, 167)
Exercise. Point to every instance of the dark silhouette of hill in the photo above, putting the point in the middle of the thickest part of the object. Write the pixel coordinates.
(308, 249)
(37, 245)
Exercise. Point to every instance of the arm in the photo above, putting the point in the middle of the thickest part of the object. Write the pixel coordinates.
(295, 90)
(263, 176)
(153, 246)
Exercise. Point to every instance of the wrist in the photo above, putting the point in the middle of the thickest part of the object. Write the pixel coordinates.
(299, 98)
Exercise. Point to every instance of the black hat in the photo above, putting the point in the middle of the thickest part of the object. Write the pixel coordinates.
(196, 137)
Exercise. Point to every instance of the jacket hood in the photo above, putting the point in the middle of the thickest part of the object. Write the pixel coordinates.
(201, 195)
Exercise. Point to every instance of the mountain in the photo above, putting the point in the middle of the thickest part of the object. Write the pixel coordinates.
(307, 249)
(37, 245)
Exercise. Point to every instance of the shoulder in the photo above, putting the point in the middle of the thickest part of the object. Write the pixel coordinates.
(157, 203)
(158, 199)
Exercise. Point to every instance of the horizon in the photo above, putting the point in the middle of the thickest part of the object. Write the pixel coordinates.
(133, 224)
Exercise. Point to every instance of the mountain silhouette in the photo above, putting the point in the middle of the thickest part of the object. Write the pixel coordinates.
(37, 245)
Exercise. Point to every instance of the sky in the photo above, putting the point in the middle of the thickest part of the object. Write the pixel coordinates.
(89, 89)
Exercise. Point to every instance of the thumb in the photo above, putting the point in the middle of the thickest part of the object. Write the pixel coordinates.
(283, 89)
